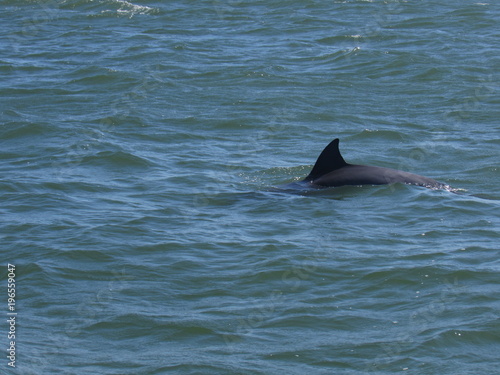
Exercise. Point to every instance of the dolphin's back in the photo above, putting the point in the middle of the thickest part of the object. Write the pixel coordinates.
(332, 170)
(368, 175)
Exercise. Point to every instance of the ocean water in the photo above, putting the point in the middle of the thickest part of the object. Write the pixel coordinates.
(143, 145)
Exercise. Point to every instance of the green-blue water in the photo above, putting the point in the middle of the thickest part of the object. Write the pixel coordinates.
(140, 144)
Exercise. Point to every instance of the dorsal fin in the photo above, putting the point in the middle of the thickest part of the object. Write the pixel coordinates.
(328, 161)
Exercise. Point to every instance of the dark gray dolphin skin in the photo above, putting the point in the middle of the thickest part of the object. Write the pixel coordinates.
(331, 170)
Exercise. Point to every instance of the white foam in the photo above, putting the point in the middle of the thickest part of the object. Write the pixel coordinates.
(129, 9)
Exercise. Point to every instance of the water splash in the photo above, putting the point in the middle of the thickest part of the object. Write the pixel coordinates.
(128, 9)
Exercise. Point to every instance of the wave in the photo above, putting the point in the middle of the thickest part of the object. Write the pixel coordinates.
(120, 8)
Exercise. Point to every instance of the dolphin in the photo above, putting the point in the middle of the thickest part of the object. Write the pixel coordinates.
(331, 170)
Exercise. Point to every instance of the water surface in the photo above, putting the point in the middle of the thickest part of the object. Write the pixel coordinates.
(141, 143)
